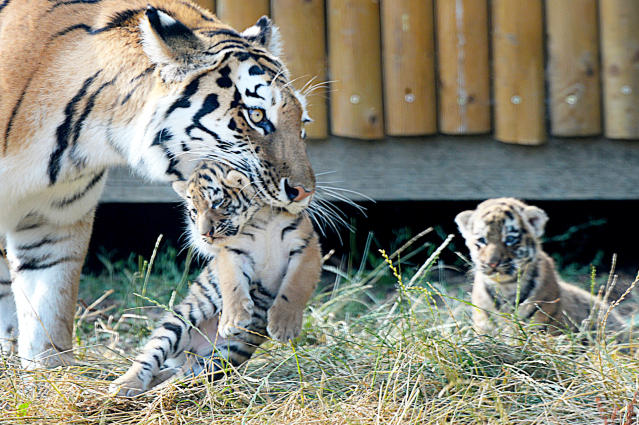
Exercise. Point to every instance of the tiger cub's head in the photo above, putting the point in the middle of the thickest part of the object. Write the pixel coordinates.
(503, 236)
(219, 202)
(226, 96)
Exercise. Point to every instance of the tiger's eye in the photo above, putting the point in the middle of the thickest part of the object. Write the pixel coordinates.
(256, 115)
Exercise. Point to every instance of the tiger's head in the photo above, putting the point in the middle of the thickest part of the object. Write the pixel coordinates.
(226, 96)
(503, 236)
(219, 202)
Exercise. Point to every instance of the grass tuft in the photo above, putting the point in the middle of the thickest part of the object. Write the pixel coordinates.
(368, 354)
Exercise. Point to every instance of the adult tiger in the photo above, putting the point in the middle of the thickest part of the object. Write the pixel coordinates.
(156, 84)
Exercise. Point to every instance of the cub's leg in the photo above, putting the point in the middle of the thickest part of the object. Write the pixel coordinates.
(8, 318)
(286, 314)
(233, 271)
(172, 337)
(45, 262)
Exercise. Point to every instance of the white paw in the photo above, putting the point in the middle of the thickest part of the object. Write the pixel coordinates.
(236, 318)
(127, 385)
(284, 325)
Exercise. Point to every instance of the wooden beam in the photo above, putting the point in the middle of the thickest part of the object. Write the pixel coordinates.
(518, 66)
(409, 67)
(464, 67)
(620, 58)
(573, 67)
(354, 58)
(241, 14)
(452, 168)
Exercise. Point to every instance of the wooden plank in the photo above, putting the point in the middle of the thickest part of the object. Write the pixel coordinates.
(209, 4)
(241, 14)
(573, 67)
(303, 30)
(518, 65)
(464, 69)
(409, 67)
(620, 53)
(355, 67)
(452, 168)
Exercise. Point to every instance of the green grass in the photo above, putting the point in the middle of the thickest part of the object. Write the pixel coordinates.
(383, 343)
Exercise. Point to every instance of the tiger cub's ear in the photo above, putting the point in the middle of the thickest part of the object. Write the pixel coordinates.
(236, 179)
(180, 188)
(172, 46)
(265, 35)
(537, 219)
(462, 219)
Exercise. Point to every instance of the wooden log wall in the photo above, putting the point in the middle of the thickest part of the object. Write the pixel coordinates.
(409, 67)
(461, 67)
(464, 67)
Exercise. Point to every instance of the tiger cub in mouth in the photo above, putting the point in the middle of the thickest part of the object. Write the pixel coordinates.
(265, 264)
(513, 272)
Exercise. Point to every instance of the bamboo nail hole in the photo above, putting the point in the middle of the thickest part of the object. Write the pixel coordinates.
(355, 99)
(627, 90)
(515, 100)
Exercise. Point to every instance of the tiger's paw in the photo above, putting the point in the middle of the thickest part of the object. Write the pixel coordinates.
(236, 316)
(284, 323)
(128, 385)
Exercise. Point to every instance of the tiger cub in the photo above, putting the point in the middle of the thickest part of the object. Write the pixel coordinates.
(265, 264)
(512, 272)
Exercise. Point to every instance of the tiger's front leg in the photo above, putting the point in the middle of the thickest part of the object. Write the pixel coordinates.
(233, 271)
(8, 319)
(45, 262)
(286, 314)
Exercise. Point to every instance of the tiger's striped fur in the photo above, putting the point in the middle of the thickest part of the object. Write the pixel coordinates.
(9, 323)
(270, 259)
(512, 272)
(154, 84)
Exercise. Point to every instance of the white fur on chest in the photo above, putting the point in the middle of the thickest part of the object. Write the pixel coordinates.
(268, 250)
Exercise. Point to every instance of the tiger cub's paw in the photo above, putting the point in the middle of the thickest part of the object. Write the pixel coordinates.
(284, 322)
(236, 316)
(127, 385)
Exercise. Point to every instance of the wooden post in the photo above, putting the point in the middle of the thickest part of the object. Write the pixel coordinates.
(355, 67)
(302, 26)
(620, 52)
(209, 4)
(464, 69)
(518, 71)
(241, 14)
(573, 67)
(409, 67)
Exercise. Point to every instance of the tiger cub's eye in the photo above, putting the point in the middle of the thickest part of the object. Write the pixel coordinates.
(481, 242)
(256, 115)
(510, 240)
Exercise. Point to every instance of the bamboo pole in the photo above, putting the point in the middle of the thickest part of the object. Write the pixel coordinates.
(518, 71)
(355, 67)
(241, 14)
(302, 27)
(464, 69)
(573, 67)
(620, 52)
(409, 67)
(209, 4)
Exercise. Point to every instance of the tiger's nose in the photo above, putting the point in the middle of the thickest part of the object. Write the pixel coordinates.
(296, 193)
(493, 264)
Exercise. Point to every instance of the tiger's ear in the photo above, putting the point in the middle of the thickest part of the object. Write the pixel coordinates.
(172, 46)
(236, 179)
(266, 35)
(462, 219)
(180, 187)
(537, 219)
